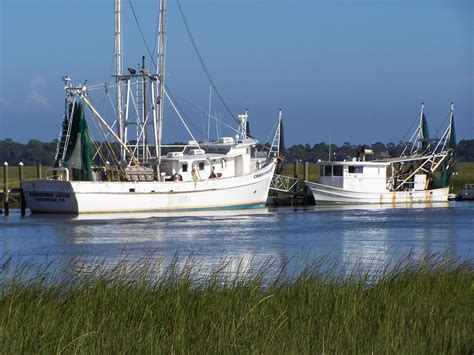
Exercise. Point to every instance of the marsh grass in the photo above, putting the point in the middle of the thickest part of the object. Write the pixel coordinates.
(423, 306)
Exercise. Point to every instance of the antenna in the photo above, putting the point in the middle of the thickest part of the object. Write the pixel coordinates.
(209, 114)
(118, 70)
(329, 147)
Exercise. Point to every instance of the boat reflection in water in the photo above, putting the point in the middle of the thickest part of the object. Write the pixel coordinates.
(368, 235)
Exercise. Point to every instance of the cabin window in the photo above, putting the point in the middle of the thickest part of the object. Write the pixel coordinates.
(201, 165)
(337, 170)
(356, 169)
(327, 170)
(184, 167)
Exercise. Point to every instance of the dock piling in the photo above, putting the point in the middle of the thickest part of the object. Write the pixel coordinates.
(305, 176)
(38, 171)
(5, 189)
(295, 169)
(22, 195)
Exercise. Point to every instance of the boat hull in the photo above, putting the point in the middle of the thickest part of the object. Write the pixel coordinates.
(329, 194)
(53, 196)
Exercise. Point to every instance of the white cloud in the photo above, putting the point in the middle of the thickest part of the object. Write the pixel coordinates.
(38, 82)
(34, 96)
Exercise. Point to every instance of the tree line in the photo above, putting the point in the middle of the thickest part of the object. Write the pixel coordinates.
(322, 151)
(36, 151)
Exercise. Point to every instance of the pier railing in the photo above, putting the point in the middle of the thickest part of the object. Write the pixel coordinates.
(10, 185)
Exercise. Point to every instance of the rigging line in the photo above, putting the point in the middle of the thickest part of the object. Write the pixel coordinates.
(410, 128)
(171, 97)
(196, 51)
(444, 121)
(274, 128)
(202, 62)
(106, 142)
(202, 111)
(141, 33)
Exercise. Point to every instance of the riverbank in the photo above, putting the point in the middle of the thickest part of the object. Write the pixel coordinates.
(416, 307)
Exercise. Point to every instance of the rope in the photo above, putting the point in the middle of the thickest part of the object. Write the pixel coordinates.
(202, 111)
(141, 33)
(201, 61)
(187, 128)
(181, 113)
(411, 127)
(444, 121)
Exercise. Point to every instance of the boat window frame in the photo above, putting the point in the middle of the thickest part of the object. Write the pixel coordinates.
(338, 170)
(327, 170)
(357, 169)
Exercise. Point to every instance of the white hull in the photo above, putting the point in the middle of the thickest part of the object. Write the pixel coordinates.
(76, 197)
(330, 194)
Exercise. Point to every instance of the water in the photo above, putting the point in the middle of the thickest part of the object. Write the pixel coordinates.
(355, 234)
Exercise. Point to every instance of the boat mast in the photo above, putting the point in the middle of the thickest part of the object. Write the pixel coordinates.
(161, 80)
(118, 70)
(420, 128)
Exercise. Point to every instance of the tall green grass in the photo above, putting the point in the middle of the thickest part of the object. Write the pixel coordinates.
(423, 306)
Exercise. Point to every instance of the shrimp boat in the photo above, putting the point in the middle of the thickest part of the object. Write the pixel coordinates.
(137, 172)
(420, 174)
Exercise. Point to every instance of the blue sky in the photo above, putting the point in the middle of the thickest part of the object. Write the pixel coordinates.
(353, 70)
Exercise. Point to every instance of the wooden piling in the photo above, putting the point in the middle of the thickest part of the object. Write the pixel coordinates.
(38, 171)
(306, 165)
(22, 195)
(5, 189)
(295, 169)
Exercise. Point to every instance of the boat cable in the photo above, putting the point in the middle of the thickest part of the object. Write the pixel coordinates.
(203, 111)
(141, 34)
(187, 128)
(201, 61)
(181, 114)
(166, 86)
(444, 122)
(108, 145)
(415, 120)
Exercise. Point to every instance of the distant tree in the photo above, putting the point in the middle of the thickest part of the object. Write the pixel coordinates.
(36, 151)
(465, 150)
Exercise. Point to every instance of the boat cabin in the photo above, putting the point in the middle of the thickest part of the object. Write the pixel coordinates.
(223, 158)
(354, 175)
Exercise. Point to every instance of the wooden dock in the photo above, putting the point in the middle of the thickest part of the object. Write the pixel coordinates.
(285, 190)
(15, 195)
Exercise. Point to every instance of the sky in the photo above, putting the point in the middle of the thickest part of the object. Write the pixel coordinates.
(341, 70)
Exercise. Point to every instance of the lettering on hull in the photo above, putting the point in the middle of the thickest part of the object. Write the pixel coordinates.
(50, 196)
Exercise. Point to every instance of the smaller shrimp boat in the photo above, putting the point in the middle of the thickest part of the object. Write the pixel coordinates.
(420, 174)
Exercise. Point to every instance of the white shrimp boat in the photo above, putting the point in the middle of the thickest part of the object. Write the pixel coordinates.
(421, 174)
(221, 174)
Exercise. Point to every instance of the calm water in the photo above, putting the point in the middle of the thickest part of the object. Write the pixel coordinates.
(354, 234)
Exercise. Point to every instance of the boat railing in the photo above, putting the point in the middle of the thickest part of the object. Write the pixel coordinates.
(283, 183)
(59, 173)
